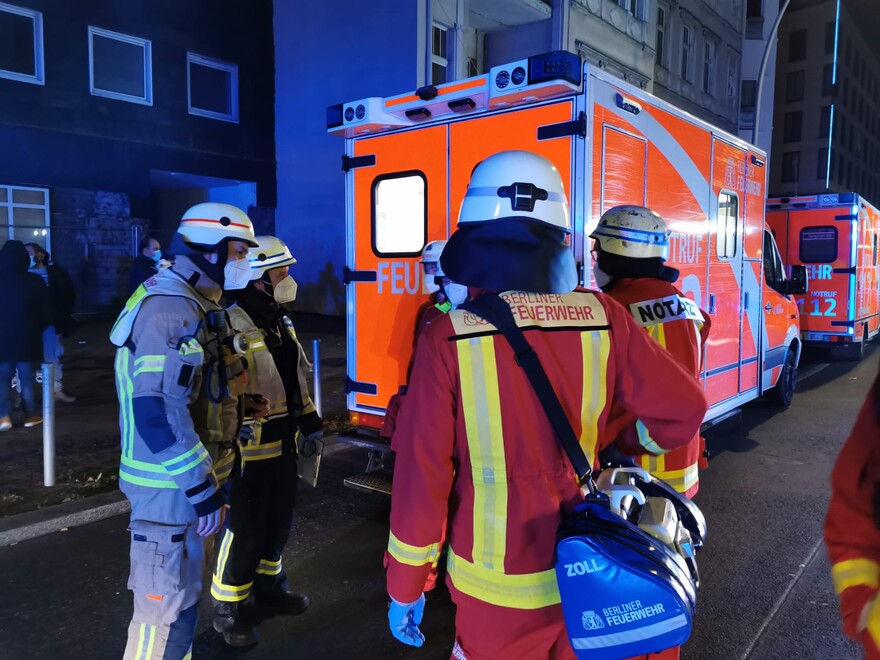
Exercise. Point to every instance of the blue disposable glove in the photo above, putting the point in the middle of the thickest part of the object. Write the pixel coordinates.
(404, 620)
(246, 435)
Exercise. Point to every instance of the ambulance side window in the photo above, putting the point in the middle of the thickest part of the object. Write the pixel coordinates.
(727, 236)
(774, 271)
(818, 245)
(400, 214)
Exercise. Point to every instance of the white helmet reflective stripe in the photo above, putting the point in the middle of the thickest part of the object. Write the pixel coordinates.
(211, 222)
(431, 254)
(271, 252)
(633, 231)
(516, 184)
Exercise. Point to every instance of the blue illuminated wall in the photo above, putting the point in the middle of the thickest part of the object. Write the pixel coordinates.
(323, 59)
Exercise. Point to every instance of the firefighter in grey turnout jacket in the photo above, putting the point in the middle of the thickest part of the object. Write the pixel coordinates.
(263, 496)
(178, 378)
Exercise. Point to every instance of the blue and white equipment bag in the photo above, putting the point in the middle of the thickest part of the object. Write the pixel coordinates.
(623, 592)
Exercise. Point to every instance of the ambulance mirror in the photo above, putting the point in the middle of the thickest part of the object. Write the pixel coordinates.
(798, 283)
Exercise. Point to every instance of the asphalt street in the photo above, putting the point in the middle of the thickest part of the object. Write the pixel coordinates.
(766, 590)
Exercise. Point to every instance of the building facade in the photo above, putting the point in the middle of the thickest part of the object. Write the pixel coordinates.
(687, 52)
(827, 104)
(117, 116)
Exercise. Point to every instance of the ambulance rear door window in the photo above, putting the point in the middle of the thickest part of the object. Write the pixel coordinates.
(818, 245)
(400, 214)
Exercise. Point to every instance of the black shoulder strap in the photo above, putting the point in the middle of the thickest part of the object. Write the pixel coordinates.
(493, 309)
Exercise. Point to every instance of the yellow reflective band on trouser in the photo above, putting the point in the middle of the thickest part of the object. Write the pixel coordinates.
(680, 480)
(227, 592)
(412, 555)
(267, 567)
(146, 639)
(189, 654)
(855, 573)
(261, 452)
(595, 349)
(482, 416)
(522, 592)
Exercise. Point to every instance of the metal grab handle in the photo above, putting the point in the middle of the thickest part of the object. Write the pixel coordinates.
(711, 303)
(316, 371)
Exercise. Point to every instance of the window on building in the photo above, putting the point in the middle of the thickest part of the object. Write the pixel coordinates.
(728, 226)
(846, 92)
(120, 66)
(793, 124)
(829, 38)
(828, 80)
(732, 77)
(662, 18)
(818, 245)
(24, 215)
(21, 44)
(212, 88)
(848, 52)
(797, 45)
(841, 169)
(849, 174)
(794, 86)
(439, 63)
(687, 53)
(709, 52)
(755, 9)
(400, 214)
(791, 161)
(747, 95)
(822, 164)
(825, 121)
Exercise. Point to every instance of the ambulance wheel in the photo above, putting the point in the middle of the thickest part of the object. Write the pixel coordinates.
(782, 394)
(853, 351)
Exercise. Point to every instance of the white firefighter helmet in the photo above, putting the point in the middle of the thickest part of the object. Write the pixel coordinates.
(431, 254)
(516, 184)
(512, 228)
(271, 252)
(207, 224)
(633, 231)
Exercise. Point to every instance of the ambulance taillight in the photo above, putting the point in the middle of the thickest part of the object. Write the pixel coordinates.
(366, 420)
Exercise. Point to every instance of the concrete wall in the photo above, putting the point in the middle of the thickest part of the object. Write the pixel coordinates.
(322, 60)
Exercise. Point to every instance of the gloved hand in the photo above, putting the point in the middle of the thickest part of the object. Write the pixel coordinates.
(246, 434)
(212, 523)
(307, 446)
(404, 620)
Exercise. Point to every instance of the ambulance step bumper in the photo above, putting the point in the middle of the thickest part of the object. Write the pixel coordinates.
(378, 481)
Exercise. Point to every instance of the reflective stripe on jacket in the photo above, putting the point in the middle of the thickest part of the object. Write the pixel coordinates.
(165, 354)
(852, 528)
(679, 326)
(474, 441)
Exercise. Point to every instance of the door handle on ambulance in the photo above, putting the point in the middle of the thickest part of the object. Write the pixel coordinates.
(711, 303)
(768, 307)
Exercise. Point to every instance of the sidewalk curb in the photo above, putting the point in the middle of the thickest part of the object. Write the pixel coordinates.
(33, 524)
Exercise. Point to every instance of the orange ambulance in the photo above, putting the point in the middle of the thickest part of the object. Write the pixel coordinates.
(407, 163)
(834, 235)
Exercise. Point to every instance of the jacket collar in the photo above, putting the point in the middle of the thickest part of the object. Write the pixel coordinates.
(186, 268)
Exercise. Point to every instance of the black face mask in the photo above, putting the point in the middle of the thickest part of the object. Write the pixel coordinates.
(259, 305)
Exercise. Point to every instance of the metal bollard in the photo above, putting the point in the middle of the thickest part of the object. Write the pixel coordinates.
(316, 366)
(48, 424)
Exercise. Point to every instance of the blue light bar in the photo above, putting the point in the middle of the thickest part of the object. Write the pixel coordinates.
(556, 65)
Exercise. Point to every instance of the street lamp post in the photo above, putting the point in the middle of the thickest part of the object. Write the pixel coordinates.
(760, 82)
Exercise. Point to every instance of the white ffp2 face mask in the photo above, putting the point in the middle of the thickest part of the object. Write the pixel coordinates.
(236, 274)
(456, 294)
(285, 290)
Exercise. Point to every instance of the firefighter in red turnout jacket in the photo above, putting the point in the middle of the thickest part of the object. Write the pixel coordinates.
(474, 442)
(263, 495)
(852, 527)
(631, 247)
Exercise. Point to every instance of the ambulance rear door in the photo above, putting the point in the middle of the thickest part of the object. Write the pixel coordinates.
(548, 130)
(824, 240)
(397, 192)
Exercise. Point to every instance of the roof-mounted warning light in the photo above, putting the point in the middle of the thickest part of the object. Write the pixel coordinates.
(546, 76)
(334, 116)
(556, 65)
